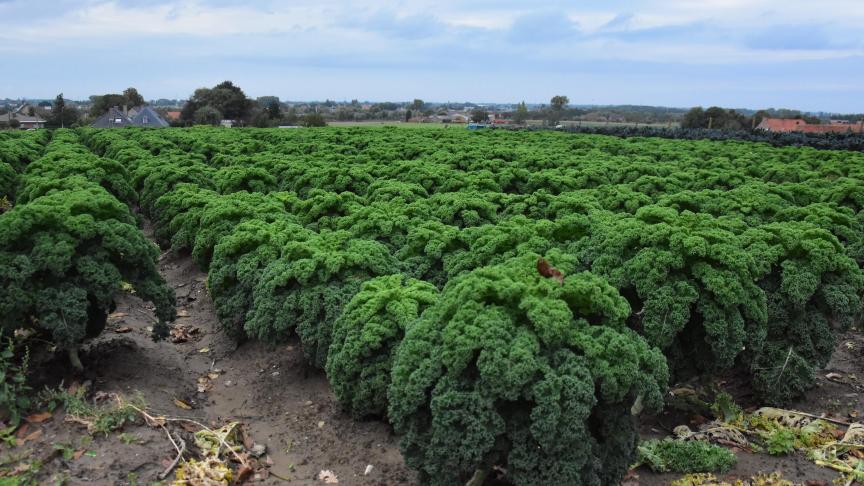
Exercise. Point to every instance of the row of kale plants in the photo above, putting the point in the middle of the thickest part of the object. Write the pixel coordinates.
(513, 299)
(853, 139)
(683, 245)
(69, 241)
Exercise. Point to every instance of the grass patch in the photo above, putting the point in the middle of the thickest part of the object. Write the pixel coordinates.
(99, 418)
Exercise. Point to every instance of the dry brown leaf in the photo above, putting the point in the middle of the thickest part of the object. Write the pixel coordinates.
(117, 315)
(78, 454)
(248, 443)
(22, 432)
(38, 418)
(123, 330)
(181, 404)
(33, 436)
(328, 477)
(243, 473)
(182, 313)
(188, 427)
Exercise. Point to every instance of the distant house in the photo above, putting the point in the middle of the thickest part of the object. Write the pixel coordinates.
(146, 117)
(799, 125)
(142, 116)
(172, 116)
(227, 123)
(25, 121)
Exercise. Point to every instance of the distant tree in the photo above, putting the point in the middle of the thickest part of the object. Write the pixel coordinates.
(225, 97)
(521, 114)
(314, 120)
(695, 118)
(31, 111)
(417, 104)
(14, 123)
(231, 101)
(266, 100)
(274, 111)
(408, 115)
(716, 118)
(100, 104)
(559, 102)
(207, 115)
(479, 115)
(132, 97)
(261, 118)
(44, 104)
(291, 117)
(62, 116)
(759, 116)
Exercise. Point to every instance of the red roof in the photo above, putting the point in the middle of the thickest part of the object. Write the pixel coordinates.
(799, 125)
(172, 115)
(781, 125)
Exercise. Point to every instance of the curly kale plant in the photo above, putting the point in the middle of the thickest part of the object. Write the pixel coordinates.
(8, 181)
(366, 336)
(537, 375)
(61, 162)
(238, 261)
(689, 280)
(64, 256)
(306, 288)
(813, 291)
(669, 455)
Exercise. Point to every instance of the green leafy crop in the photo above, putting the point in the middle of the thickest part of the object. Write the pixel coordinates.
(366, 336)
(306, 288)
(695, 456)
(531, 373)
(64, 256)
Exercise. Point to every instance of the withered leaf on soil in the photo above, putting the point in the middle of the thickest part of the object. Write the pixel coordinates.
(22, 432)
(328, 477)
(181, 404)
(38, 418)
(243, 473)
(33, 436)
(182, 334)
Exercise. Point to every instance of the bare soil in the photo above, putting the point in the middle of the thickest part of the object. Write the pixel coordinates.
(289, 407)
(838, 394)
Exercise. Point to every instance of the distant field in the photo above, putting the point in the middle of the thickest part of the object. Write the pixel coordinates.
(386, 124)
(529, 123)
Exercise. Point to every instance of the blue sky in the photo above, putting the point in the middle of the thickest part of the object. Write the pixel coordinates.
(738, 53)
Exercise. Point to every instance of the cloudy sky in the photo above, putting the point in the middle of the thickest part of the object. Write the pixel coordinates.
(806, 54)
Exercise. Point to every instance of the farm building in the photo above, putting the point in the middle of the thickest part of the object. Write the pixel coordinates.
(799, 125)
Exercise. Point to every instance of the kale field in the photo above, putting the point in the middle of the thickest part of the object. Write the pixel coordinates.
(512, 303)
